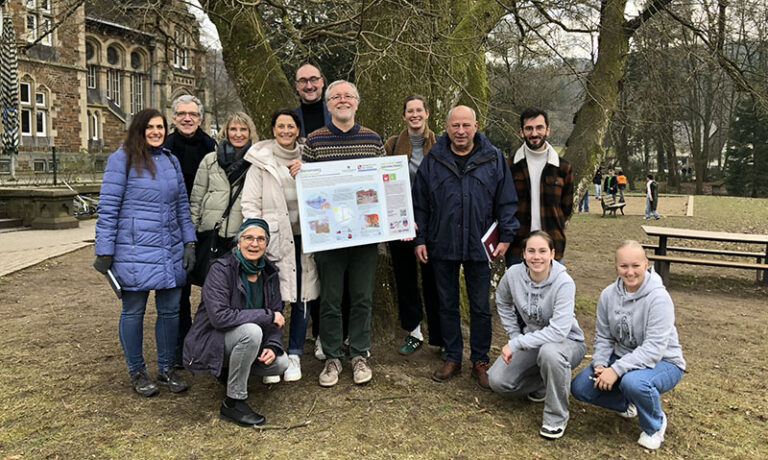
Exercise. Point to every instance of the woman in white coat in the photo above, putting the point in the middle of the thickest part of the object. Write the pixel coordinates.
(270, 193)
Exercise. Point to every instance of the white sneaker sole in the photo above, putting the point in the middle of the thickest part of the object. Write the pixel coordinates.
(292, 378)
(328, 384)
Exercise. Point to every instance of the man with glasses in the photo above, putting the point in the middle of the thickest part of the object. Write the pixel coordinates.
(190, 144)
(312, 110)
(544, 185)
(343, 139)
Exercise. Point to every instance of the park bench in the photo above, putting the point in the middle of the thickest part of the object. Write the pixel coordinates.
(611, 206)
(662, 260)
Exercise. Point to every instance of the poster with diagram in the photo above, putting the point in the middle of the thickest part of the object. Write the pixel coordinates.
(353, 202)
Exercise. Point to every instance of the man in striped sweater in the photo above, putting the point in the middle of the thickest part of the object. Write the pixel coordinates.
(343, 139)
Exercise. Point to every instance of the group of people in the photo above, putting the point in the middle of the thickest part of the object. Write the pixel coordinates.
(160, 193)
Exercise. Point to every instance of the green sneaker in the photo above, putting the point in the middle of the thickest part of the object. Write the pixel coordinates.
(411, 344)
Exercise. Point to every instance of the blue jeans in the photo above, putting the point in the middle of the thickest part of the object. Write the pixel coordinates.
(650, 209)
(131, 327)
(477, 276)
(584, 203)
(597, 190)
(641, 387)
(297, 330)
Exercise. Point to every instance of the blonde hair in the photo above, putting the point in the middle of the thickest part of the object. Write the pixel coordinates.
(243, 119)
(630, 244)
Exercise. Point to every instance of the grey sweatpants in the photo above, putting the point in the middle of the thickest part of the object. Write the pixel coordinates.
(547, 368)
(242, 345)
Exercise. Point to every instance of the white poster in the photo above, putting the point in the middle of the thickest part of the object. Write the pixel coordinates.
(353, 202)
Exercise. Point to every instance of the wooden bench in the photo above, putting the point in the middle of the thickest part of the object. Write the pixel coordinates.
(662, 261)
(611, 206)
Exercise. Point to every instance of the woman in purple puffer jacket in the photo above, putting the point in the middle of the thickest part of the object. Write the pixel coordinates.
(145, 236)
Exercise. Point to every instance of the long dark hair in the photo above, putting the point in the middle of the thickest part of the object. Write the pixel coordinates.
(135, 144)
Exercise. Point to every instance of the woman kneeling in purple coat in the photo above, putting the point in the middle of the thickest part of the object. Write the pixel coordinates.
(237, 325)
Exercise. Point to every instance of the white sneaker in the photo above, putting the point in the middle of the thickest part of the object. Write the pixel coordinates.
(319, 350)
(270, 379)
(361, 371)
(653, 441)
(293, 373)
(631, 412)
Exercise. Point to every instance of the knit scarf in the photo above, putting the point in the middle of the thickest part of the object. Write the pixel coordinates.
(249, 268)
(232, 160)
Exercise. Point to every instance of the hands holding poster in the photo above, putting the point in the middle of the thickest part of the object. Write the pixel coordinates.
(354, 202)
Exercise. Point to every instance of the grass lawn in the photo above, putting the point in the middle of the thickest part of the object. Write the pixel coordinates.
(64, 389)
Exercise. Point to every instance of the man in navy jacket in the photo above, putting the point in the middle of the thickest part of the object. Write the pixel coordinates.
(462, 187)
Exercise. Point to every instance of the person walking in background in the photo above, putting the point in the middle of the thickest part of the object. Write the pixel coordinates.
(414, 141)
(637, 354)
(621, 182)
(610, 185)
(535, 302)
(238, 325)
(462, 186)
(190, 144)
(584, 202)
(597, 179)
(270, 193)
(651, 197)
(145, 236)
(220, 179)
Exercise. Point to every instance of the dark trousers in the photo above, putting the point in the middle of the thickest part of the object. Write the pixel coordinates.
(404, 264)
(297, 329)
(314, 312)
(185, 322)
(359, 263)
(477, 276)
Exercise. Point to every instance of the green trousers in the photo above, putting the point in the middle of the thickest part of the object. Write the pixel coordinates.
(360, 264)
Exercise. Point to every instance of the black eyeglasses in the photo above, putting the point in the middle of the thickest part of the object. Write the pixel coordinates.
(306, 81)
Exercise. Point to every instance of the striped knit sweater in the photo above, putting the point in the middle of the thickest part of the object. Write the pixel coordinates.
(330, 143)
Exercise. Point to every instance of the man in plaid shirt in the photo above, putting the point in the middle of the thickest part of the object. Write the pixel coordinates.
(544, 184)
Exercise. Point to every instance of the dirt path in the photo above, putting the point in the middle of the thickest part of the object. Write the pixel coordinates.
(65, 392)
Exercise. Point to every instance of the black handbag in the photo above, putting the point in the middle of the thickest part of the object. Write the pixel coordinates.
(210, 245)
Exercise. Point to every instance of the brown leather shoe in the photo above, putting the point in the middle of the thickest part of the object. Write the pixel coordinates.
(446, 371)
(480, 372)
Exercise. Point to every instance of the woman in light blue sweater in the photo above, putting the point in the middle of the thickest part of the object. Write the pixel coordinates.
(637, 353)
(535, 303)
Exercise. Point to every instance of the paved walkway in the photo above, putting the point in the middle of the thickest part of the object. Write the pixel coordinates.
(24, 248)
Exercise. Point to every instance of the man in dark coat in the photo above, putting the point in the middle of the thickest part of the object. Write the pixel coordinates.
(462, 186)
(189, 143)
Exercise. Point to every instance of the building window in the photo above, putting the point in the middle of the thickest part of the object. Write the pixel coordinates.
(180, 51)
(25, 100)
(113, 86)
(34, 113)
(26, 122)
(137, 96)
(39, 166)
(31, 27)
(113, 56)
(24, 93)
(93, 127)
(91, 76)
(40, 123)
(39, 21)
(136, 60)
(5, 166)
(89, 51)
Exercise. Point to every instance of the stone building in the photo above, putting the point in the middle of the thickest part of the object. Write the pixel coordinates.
(84, 71)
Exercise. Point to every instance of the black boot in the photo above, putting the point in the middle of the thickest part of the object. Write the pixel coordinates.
(241, 413)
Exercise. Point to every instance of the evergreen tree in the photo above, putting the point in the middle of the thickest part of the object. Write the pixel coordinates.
(748, 152)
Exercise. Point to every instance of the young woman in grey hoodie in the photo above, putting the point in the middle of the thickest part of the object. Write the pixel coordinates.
(637, 353)
(535, 303)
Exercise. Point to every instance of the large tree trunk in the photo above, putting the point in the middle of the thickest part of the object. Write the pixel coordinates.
(584, 147)
(250, 61)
